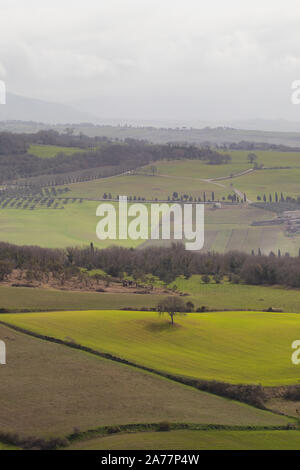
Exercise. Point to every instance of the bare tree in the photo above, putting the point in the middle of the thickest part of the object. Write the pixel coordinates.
(252, 157)
(172, 306)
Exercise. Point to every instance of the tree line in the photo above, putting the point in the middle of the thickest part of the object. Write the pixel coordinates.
(16, 161)
(165, 263)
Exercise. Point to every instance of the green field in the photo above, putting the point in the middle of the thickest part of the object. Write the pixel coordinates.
(199, 169)
(50, 151)
(225, 296)
(20, 298)
(269, 158)
(268, 182)
(7, 447)
(229, 228)
(228, 296)
(235, 347)
(149, 187)
(75, 225)
(226, 229)
(196, 440)
(48, 390)
(190, 176)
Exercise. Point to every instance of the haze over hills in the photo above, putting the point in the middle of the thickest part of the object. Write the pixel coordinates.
(101, 111)
(23, 114)
(20, 108)
(267, 125)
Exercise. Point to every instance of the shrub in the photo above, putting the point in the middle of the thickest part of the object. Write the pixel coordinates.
(292, 393)
(206, 279)
(164, 426)
(113, 429)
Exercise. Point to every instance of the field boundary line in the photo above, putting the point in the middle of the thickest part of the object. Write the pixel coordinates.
(234, 175)
(105, 431)
(252, 395)
(55, 443)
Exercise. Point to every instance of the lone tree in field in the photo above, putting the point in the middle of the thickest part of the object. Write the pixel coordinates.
(153, 170)
(172, 306)
(252, 157)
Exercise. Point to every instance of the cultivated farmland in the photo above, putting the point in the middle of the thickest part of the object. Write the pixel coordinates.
(21, 298)
(225, 296)
(228, 228)
(49, 389)
(234, 347)
(50, 151)
(196, 440)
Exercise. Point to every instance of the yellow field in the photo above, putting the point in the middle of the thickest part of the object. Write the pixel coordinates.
(235, 347)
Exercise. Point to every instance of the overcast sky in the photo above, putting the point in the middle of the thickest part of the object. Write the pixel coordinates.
(180, 59)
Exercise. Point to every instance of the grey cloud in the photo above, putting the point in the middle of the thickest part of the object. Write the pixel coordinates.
(173, 58)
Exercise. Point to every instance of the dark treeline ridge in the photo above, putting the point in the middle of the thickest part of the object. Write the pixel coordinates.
(250, 146)
(17, 144)
(16, 162)
(165, 263)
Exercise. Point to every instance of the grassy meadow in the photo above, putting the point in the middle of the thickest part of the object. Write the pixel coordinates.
(75, 225)
(196, 440)
(58, 389)
(50, 151)
(268, 182)
(237, 296)
(191, 177)
(225, 296)
(7, 447)
(48, 389)
(199, 169)
(234, 347)
(149, 187)
(22, 298)
(226, 229)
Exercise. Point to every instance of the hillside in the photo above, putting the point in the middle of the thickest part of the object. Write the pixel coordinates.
(234, 347)
(20, 108)
(158, 135)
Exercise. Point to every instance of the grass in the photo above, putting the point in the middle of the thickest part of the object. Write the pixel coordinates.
(228, 296)
(199, 169)
(196, 440)
(284, 406)
(73, 226)
(226, 229)
(19, 298)
(230, 229)
(268, 182)
(7, 447)
(234, 347)
(225, 296)
(269, 158)
(186, 176)
(150, 187)
(50, 151)
(48, 390)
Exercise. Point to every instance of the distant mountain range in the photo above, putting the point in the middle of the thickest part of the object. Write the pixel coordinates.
(267, 125)
(19, 108)
(22, 114)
